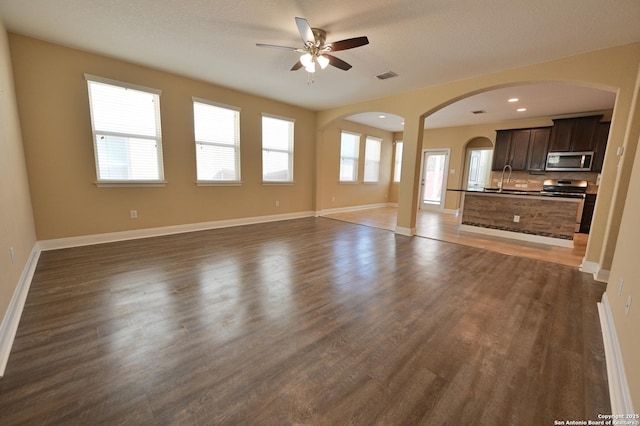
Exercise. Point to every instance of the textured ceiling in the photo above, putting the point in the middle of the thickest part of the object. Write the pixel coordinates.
(425, 42)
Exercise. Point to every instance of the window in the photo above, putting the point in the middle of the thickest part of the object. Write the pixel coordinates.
(349, 150)
(217, 136)
(125, 120)
(397, 168)
(372, 159)
(277, 149)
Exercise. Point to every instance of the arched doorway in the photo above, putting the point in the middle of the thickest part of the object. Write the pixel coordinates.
(478, 156)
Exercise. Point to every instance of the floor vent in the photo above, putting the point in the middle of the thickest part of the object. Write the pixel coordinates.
(386, 75)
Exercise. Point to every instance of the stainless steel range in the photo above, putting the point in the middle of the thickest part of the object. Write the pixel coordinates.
(564, 187)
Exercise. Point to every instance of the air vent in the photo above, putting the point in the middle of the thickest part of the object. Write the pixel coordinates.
(386, 75)
(479, 111)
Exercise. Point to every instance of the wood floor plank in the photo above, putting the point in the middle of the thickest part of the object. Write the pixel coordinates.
(309, 321)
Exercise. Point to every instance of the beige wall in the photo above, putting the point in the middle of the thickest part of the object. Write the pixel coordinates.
(333, 194)
(54, 111)
(16, 219)
(627, 268)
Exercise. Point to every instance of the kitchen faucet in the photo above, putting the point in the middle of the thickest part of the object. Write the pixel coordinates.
(502, 177)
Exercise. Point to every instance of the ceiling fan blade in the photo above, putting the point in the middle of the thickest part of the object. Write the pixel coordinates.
(349, 43)
(273, 46)
(296, 66)
(305, 32)
(338, 63)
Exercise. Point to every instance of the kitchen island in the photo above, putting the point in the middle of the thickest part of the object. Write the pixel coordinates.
(522, 215)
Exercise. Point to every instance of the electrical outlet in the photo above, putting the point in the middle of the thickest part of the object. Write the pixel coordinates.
(516, 218)
(333, 199)
(277, 203)
(133, 214)
(620, 285)
(13, 255)
(627, 306)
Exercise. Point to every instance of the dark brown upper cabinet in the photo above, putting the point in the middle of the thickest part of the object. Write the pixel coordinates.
(574, 134)
(522, 149)
(538, 149)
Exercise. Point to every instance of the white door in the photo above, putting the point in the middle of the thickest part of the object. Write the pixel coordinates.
(478, 168)
(435, 164)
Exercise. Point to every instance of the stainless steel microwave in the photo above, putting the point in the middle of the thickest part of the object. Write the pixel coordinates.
(569, 161)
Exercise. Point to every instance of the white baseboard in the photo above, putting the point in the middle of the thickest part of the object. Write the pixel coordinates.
(518, 236)
(602, 275)
(111, 237)
(354, 208)
(9, 325)
(408, 232)
(589, 267)
(618, 387)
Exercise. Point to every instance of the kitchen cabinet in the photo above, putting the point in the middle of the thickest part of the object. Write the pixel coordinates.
(522, 149)
(501, 149)
(538, 149)
(602, 138)
(587, 213)
(574, 134)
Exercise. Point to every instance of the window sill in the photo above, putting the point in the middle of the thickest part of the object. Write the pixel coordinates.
(219, 183)
(275, 182)
(371, 183)
(130, 184)
(344, 182)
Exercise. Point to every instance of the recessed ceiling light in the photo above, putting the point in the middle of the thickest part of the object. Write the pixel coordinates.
(513, 100)
(521, 109)
(382, 116)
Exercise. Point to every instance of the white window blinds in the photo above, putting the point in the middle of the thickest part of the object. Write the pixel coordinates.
(372, 159)
(217, 138)
(397, 167)
(126, 131)
(349, 153)
(277, 149)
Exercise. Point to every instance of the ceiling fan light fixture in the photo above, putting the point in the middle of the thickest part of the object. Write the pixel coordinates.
(311, 67)
(306, 59)
(323, 61)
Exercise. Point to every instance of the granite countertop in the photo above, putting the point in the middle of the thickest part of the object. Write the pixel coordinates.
(517, 192)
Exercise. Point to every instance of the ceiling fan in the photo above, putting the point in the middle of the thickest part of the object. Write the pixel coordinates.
(316, 50)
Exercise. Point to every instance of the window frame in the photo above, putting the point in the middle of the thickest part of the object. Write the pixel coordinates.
(368, 161)
(290, 151)
(356, 159)
(102, 182)
(236, 145)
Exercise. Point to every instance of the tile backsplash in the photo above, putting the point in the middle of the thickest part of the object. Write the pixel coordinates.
(534, 182)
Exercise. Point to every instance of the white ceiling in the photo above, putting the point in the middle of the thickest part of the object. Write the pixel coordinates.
(425, 42)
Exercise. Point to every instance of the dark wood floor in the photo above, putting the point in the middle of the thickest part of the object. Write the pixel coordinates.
(310, 321)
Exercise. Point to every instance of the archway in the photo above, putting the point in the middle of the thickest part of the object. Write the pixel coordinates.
(477, 163)
(357, 161)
